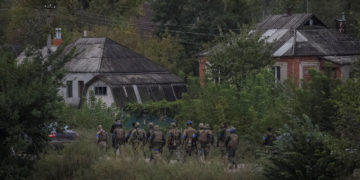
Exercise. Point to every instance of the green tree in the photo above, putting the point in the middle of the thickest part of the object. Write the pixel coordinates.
(315, 100)
(29, 105)
(237, 55)
(347, 99)
(302, 151)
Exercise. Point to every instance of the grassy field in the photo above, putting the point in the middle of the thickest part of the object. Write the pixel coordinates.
(84, 160)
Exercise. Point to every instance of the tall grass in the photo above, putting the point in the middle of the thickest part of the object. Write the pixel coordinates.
(84, 160)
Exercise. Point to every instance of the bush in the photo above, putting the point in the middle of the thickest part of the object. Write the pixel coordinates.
(304, 152)
(90, 116)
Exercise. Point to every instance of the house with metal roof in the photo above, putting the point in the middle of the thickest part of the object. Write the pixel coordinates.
(107, 70)
(301, 42)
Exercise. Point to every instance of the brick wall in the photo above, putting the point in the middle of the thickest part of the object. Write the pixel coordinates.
(202, 68)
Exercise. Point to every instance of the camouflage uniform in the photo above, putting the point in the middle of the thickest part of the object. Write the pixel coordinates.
(137, 138)
(119, 137)
(231, 143)
(102, 138)
(203, 141)
(189, 137)
(224, 133)
(174, 141)
(157, 142)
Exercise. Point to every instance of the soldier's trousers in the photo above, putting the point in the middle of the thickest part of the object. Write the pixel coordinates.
(174, 150)
(203, 150)
(156, 154)
(102, 145)
(231, 157)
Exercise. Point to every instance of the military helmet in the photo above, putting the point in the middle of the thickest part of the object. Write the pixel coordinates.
(188, 122)
(173, 124)
(100, 126)
(201, 125)
(156, 127)
(207, 126)
(137, 124)
(151, 124)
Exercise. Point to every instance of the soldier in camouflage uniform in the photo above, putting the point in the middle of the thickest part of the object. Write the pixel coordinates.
(157, 142)
(231, 143)
(189, 138)
(174, 141)
(102, 138)
(203, 140)
(137, 138)
(221, 140)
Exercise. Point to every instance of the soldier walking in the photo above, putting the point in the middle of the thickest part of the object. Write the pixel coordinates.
(189, 137)
(157, 142)
(137, 138)
(102, 138)
(119, 136)
(231, 143)
(221, 140)
(203, 142)
(174, 141)
(116, 123)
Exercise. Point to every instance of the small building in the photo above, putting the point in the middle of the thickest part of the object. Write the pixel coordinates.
(110, 71)
(301, 42)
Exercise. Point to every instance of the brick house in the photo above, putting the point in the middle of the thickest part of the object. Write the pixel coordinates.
(301, 42)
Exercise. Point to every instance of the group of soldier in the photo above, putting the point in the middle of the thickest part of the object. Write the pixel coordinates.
(191, 141)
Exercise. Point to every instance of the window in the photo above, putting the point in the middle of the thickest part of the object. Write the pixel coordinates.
(81, 88)
(69, 89)
(276, 70)
(100, 91)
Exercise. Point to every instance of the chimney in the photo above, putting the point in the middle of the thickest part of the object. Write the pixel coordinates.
(341, 24)
(57, 40)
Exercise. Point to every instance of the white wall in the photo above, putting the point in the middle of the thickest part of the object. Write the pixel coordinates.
(75, 78)
(345, 72)
(107, 99)
(283, 70)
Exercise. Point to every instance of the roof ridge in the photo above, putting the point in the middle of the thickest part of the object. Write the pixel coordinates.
(102, 54)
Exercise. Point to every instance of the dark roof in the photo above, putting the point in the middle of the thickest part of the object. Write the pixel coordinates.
(149, 87)
(139, 79)
(103, 55)
(312, 37)
(285, 21)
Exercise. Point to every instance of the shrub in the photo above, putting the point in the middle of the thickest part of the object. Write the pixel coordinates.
(304, 152)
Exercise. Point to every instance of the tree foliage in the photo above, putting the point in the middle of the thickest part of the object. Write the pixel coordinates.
(304, 152)
(237, 55)
(29, 105)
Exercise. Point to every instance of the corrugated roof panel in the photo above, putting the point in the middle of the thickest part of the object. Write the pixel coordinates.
(284, 48)
(83, 65)
(277, 35)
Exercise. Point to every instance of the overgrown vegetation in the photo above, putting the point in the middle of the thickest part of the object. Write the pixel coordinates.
(84, 160)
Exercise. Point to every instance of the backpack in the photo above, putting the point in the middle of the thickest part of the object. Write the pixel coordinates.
(102, 136)
(269, 139)
(203, 136)
(119, 133)
(175, 137)
(157, 137)
(138, 134)
(234, 141)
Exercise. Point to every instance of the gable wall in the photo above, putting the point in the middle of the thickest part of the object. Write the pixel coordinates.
(108, 99)
(75, 78)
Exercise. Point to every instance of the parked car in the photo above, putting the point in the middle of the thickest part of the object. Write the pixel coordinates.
(65, 136)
